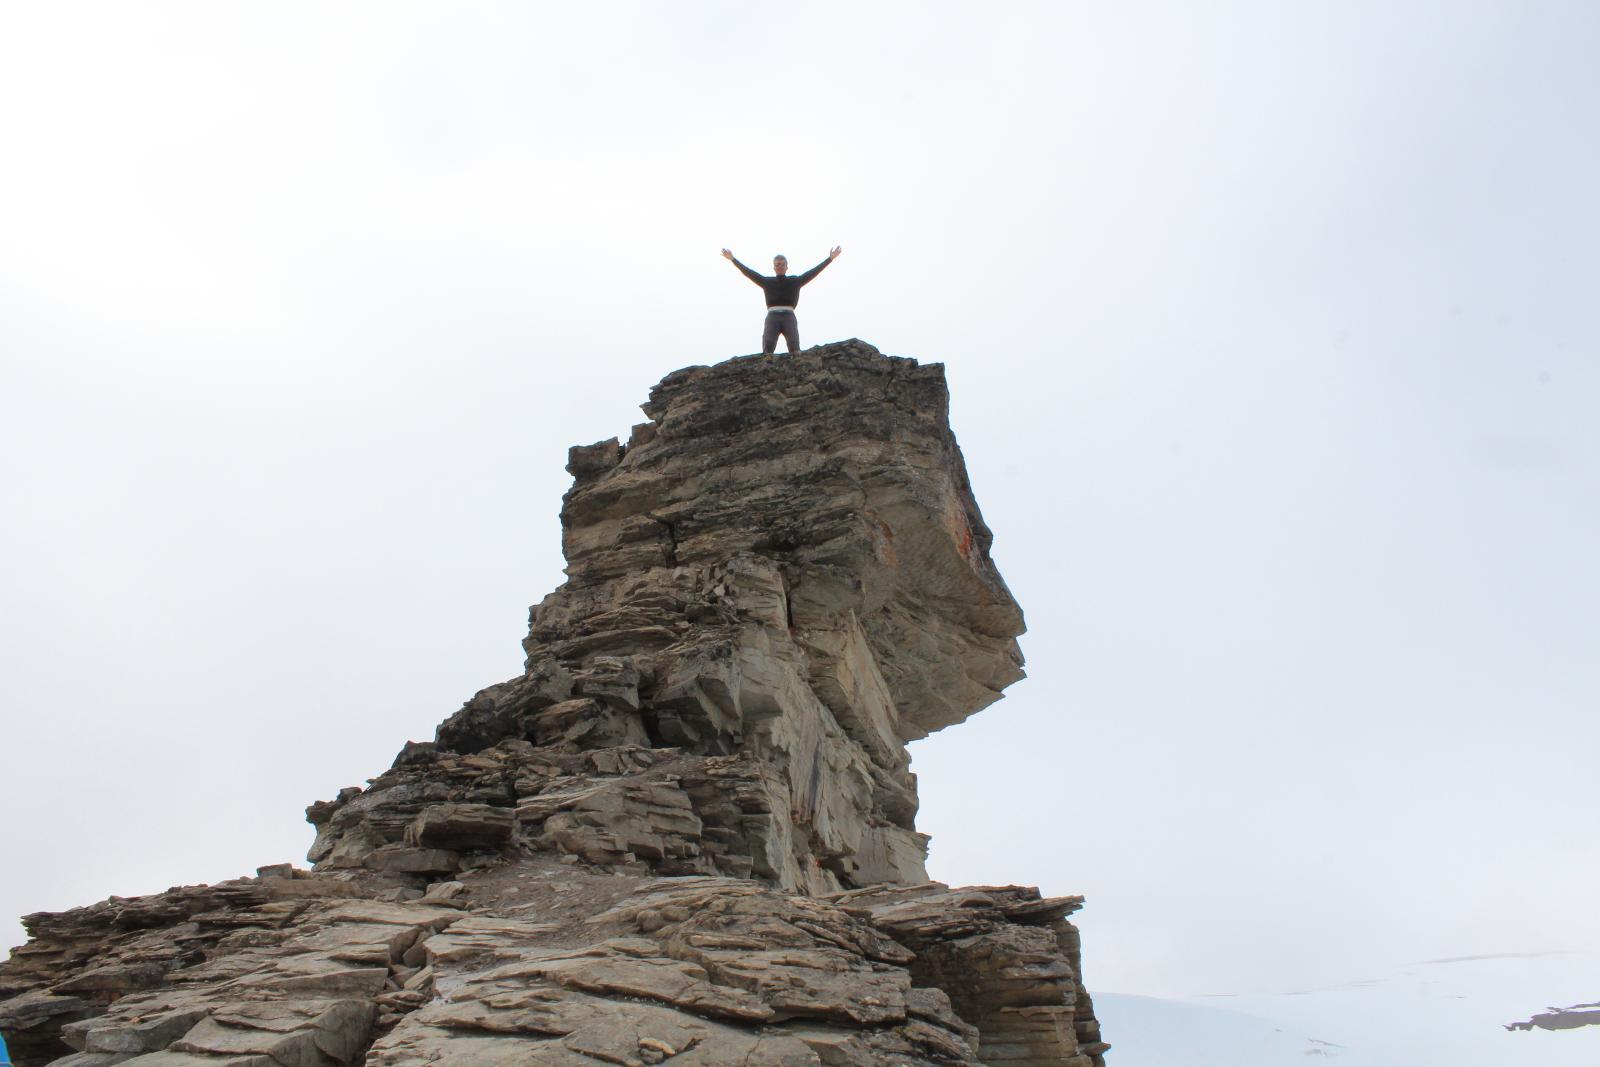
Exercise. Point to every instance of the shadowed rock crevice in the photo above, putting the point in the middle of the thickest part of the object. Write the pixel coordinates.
(686, 832)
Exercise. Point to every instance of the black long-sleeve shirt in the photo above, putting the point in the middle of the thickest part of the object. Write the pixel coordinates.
(783, 291)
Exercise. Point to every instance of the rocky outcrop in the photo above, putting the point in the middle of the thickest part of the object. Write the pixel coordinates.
(1570, 1018)
(686, 832)
(777, 582)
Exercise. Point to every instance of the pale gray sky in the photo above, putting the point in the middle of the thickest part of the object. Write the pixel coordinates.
(1270, 329)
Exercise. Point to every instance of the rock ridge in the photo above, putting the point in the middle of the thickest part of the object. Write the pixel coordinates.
(685, 833)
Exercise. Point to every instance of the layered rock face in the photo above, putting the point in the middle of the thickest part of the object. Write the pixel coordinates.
(685, 833)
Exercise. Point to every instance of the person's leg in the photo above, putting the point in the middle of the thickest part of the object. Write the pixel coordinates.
(791, 332)
(769, 335)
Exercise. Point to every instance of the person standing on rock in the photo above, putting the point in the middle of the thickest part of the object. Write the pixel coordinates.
(783, 293)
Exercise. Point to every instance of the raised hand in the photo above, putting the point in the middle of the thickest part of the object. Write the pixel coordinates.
(726, 254)
(835, 253)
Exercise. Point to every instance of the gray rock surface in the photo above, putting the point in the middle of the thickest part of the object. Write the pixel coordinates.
(685, 833)
(1569, 1018)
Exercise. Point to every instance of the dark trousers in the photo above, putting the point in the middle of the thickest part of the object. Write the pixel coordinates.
(782, 322)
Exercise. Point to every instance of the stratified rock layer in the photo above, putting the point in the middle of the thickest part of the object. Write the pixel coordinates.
(685, 833)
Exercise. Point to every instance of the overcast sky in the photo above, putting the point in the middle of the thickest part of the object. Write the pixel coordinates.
(1270, 330)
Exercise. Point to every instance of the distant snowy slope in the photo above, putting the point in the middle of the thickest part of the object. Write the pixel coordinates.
(1443, 1012)
(1150, 1032)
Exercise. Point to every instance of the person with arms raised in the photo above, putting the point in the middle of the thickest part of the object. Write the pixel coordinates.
(782, 293)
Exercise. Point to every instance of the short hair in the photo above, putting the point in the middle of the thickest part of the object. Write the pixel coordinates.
(781, 256)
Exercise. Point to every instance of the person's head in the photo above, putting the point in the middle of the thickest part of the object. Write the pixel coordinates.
(780, 265)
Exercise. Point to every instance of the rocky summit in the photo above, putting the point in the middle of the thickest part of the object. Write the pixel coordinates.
(685, 833)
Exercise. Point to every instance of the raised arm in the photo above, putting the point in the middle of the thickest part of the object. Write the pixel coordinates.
(746, 271)
(814, 271)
